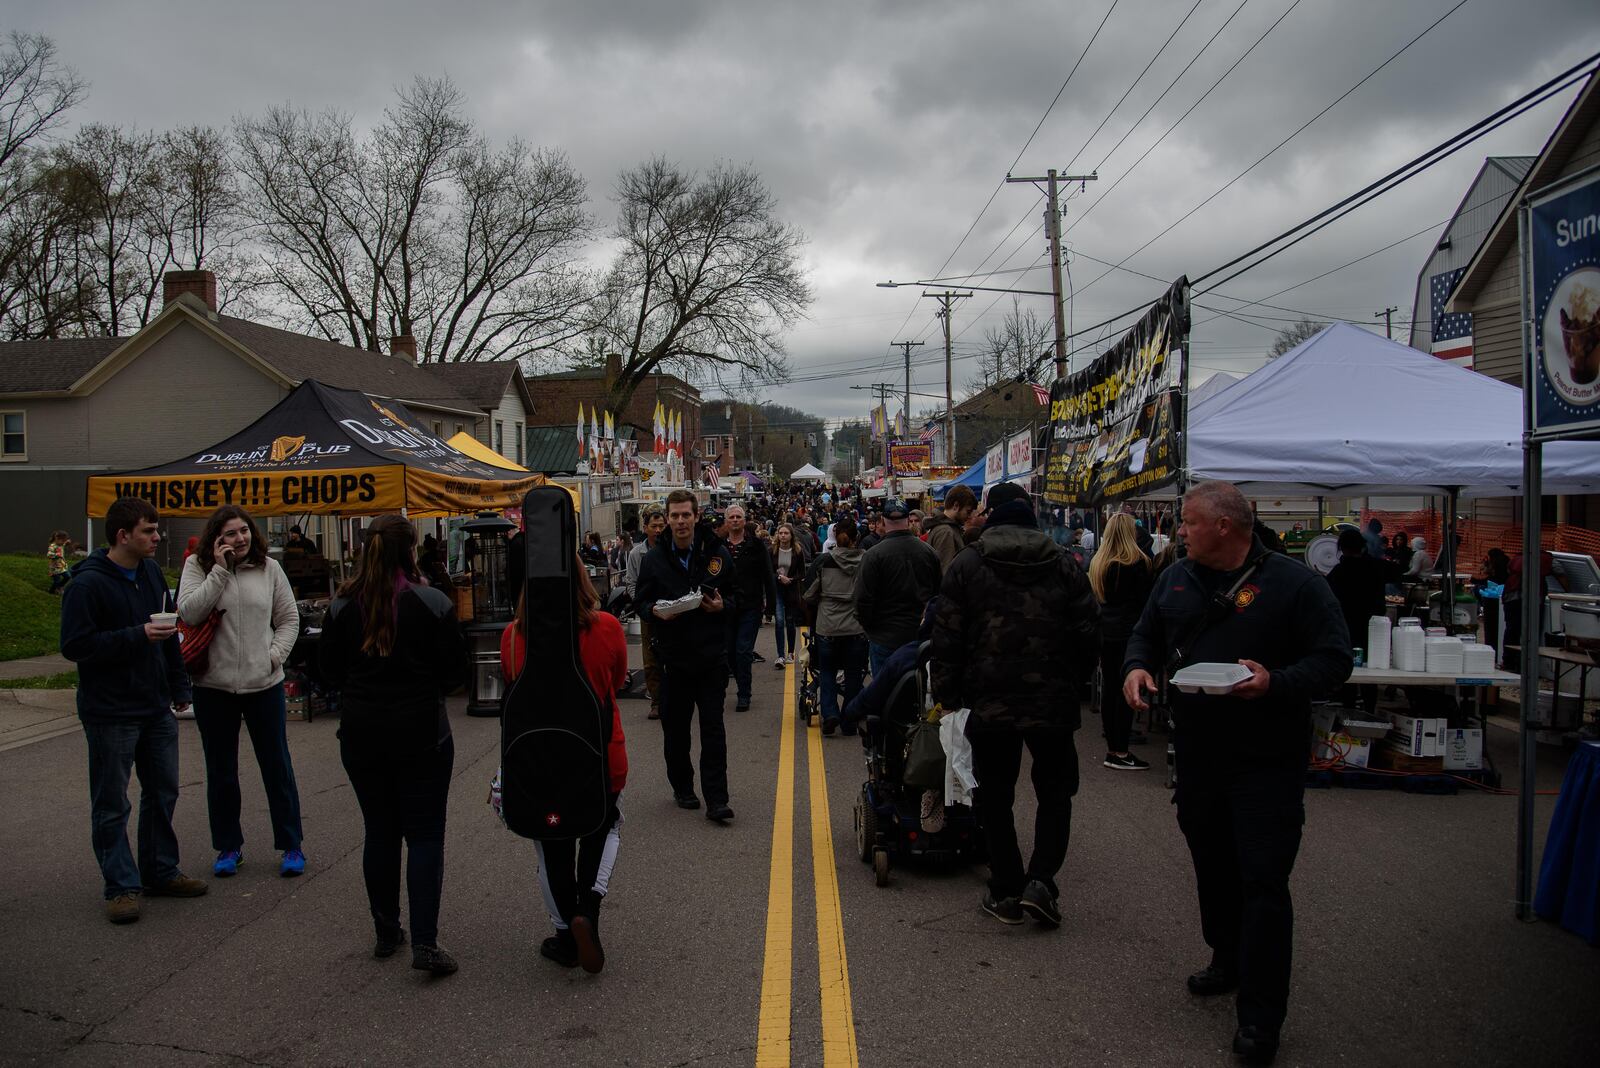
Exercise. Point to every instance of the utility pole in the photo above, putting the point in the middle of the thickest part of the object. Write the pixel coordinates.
(1052, 226)
(906, 347)
(946, 299)
(1388, 314)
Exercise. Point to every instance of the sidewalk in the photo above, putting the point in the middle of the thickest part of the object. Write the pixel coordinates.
(34, 666)
(28, 716)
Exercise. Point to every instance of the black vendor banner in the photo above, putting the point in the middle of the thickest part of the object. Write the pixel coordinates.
(1114, 425)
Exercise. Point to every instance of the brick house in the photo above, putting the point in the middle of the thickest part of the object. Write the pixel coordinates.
(561, 392)
(192, 376)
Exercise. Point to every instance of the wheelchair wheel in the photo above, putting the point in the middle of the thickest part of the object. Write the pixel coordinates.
(866, 827)
(880, 867)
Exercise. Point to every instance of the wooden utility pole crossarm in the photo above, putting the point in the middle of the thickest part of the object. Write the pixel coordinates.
(1052, 226)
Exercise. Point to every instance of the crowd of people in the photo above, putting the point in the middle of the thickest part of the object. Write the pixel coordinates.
(1015, 625)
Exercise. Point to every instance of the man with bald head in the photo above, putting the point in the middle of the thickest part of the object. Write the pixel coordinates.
(1241, 756)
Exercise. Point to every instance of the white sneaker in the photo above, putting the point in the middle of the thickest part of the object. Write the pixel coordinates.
(187, 713)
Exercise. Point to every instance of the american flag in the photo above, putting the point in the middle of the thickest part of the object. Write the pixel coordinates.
(1452, 333)
(1040, 393)
(712, 475)
(929, 432)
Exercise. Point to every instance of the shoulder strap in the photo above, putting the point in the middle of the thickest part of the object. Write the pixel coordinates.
(1216, 608)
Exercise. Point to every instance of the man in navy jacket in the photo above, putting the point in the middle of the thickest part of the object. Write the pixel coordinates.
(130, 676)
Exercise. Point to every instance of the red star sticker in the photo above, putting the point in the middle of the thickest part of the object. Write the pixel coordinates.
(553, 819)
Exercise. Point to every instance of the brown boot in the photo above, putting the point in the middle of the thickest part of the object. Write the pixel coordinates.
(655, 712)
(124, 908)
(179, 886)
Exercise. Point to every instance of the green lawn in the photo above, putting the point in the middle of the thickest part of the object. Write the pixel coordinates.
(67, 680)
(30, 625)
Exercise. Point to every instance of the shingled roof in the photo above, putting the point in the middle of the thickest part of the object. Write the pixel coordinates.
(485, 383)
(44, 366)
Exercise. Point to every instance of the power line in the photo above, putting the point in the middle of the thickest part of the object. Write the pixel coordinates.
(1298, 131)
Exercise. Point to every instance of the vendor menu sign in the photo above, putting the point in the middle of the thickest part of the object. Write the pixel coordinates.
(909, 458)
(1114, 425)
(1562, 366)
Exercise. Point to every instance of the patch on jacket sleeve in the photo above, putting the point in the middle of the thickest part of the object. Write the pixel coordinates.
(714, 568)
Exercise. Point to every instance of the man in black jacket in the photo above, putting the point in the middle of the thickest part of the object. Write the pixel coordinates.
(1014, 637)
(1241, 755)
(757, 590)
(692, 649)
(130, 677)
(897, 578)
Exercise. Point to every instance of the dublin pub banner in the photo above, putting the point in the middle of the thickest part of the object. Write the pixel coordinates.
(1114, 425)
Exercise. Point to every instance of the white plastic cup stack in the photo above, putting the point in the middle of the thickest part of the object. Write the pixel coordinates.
(1409, 645)
(1378, 628)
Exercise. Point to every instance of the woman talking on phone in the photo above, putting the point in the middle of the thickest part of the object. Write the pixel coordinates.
(242, 680)
(392, 648)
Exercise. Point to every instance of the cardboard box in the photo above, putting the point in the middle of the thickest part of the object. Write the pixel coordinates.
(1354, 752)
(1418, 736)
(1463, 750)
(298, 708)
(1389, 757)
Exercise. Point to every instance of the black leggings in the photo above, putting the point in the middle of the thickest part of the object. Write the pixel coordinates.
(402, 792)
(1114, 711)
(575, 874)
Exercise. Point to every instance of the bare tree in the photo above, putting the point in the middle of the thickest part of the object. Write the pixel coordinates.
(1012, 348)
(36, 92)
(111, 178)
(1294, 334)
(419, 228)
(707, 279)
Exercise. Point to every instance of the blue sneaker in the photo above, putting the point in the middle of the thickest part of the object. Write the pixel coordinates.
(227, 863)
(294, 863)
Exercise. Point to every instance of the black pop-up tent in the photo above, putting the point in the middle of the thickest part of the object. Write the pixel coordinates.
(323, 451)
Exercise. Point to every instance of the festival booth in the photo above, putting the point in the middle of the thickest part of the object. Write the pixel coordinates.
(972, 478)
(808, 473)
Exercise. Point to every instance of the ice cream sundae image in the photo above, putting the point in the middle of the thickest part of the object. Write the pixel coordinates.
(1580, 334)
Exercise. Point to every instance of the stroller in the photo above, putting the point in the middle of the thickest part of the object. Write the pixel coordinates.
(889, 817)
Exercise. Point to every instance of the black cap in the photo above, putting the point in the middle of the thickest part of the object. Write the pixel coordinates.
(1006, 492)
(895, 508)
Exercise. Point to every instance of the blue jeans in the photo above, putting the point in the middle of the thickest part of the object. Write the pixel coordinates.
(878, 655)
(741, 643)
(785, 628)
(218, 714)
(833, 655)
(148, 745)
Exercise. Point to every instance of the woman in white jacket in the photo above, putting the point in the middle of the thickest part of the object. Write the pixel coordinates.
(243, 681)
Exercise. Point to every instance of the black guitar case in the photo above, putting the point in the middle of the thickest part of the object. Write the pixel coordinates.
(553, 729)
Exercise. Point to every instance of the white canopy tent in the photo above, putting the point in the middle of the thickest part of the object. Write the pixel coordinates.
(808, 473)
(1350, 414)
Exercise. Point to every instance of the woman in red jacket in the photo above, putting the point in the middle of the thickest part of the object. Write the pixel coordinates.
(575, 875)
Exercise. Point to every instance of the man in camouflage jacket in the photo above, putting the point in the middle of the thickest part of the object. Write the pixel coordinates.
(1014, 638)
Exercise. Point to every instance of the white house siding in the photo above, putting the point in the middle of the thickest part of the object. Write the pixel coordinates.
(511, 412)
(1495, 183)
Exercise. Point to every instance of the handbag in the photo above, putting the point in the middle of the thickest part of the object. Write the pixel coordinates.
(194, 642)
(924, 765)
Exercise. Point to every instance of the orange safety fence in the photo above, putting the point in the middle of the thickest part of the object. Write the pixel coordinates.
(1478, 536)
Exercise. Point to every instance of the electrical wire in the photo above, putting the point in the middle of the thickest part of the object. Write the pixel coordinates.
(1265, 156)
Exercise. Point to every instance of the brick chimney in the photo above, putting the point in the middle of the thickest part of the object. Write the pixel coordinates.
(613, 369)
(202, 284)
(404, 346)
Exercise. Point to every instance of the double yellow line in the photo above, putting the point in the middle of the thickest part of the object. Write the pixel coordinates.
(774, 1037)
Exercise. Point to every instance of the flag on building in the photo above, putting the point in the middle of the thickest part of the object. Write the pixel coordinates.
(1040, 393)
(655, 430)
(930, 430)
(594, 436)
(677, 432)
(1452, 332)
(712, 474)
(581, 442)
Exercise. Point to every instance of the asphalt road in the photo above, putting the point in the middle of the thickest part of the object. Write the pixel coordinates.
(1406, 952)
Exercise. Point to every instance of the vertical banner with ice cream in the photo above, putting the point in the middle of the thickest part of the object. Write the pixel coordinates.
(1115, 425)
(1562, 366)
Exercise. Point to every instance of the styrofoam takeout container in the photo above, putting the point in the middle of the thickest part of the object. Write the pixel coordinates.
(687, 603)
(1210, 678)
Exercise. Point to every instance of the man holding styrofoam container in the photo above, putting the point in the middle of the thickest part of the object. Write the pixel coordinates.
(1247, 637)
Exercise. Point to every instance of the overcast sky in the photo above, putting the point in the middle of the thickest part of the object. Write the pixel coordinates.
(884, 127)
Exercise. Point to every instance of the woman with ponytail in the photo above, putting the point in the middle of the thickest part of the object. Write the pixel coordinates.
(392, 647)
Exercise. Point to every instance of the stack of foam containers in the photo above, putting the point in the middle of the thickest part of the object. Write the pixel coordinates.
(1444, 656)
(1477, 659)
(1409, 646)
(1378, 628)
